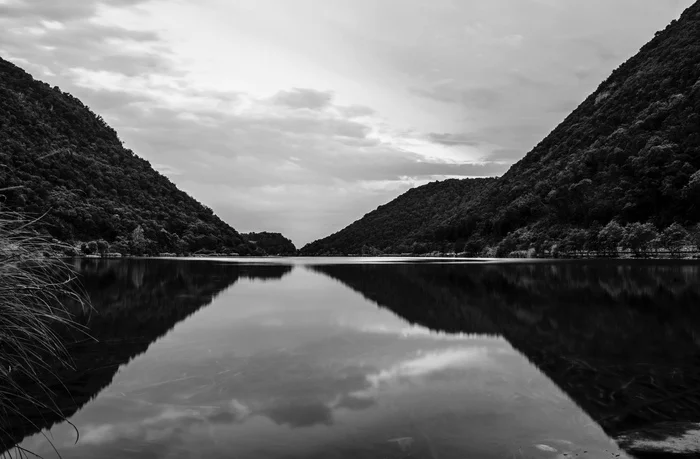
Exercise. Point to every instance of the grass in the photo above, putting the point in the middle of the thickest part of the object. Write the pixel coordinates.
(34, 289)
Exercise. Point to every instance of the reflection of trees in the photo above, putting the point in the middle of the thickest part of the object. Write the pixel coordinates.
(135, 302)
(621, 338)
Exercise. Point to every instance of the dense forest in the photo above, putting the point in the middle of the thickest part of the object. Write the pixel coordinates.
(396, 227)
(63, 163)
(271, 243)
(621, 171)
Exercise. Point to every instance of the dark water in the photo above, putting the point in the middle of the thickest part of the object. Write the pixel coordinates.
(384, 360)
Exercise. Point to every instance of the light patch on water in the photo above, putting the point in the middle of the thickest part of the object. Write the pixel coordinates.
(426, 364)
(422, 332)
(687, 443)
(162, 424)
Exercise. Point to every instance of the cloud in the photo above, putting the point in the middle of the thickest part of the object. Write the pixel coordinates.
(478, 98)
(303, 98)
(452, 139)
(356, 111)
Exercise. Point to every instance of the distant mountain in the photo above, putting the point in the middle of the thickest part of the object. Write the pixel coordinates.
(630, 153)
(62, 159)
(397, 227)
(271, 243)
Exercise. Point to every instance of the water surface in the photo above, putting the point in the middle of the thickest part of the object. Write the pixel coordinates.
(437, 360)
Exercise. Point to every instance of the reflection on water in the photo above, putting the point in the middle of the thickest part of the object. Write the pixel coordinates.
(135, 303)
(622, 339)
(301, 362)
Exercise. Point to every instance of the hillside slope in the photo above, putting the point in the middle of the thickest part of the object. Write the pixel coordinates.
(629, 153)
(60, 158)
(271, 243)
(393, 227)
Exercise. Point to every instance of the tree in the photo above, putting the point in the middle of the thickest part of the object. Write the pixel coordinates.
(121, 245)
(507, 245)
(674, 238)
(610, 237)
(695, 236)
(87, 249)
(473, 247)
(102, 247)
(638, 237)
(574, 241)
(138, 241)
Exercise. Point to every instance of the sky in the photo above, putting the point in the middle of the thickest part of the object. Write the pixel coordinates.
(300, 116)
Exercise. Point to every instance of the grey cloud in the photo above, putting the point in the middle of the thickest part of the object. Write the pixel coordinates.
(584, 73)
(112, 101)
(58, 11)
(303, 98)
(530, 82)
(310, 125)
(507, 154)
(598, 45)
(452, 139)
(47, 9)
(563, 106)
(81, 43)
(327, 148)
(356, 111)
(480, 98)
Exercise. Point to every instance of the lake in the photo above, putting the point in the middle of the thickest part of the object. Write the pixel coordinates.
(352, 358)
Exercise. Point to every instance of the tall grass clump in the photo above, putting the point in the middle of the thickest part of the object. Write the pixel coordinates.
(35, 286)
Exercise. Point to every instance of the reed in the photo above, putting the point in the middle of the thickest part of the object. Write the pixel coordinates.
(35, 286)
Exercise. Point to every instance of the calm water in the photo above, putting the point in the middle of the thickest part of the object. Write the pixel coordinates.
(426, 360)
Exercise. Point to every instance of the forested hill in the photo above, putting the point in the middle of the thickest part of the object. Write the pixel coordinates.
(60, 158)
(622, 169)
(272, 243)
(395, 227)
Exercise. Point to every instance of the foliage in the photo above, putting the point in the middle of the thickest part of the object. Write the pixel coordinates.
(394, 227)
(62, 159)
(695, 236)
(674, 238)
(638, 237)
(628, 153)
(271, 243)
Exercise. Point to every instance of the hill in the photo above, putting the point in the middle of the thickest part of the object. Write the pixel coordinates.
(271, 243)
(629, 154)
(396, 227)
(61, 159)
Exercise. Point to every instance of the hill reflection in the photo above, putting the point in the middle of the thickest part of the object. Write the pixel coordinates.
(621, 338)
(135, 303)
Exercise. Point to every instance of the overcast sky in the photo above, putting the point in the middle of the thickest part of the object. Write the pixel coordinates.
(300, 116)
